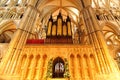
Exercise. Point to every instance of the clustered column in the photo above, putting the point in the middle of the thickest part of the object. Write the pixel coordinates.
(25, 28)
(97, 39)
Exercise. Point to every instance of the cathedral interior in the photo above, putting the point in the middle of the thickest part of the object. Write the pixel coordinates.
(59, 39)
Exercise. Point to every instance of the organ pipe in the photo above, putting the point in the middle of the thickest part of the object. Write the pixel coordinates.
(64, 30)
(54, 30)
(59, 27)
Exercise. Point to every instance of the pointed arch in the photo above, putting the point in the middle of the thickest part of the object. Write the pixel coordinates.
(58, 68)
(114, 28)
(7, 30)
(111, 33)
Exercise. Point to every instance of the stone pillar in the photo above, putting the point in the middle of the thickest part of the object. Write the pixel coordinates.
(25, 27)
(20, 44)
(101, 41)
(96, 36)
(95, 32)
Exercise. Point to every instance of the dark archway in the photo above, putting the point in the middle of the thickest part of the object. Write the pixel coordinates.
(58, 68)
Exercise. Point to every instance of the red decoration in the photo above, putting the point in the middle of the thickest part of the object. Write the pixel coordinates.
(35, 41)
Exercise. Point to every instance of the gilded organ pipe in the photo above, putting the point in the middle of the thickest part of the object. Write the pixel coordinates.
(54, 28)
(64, 30)
(59, 27)
(49, 26)
(59, 30)
(69, 26)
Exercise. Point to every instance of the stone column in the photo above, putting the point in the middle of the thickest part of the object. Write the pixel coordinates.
(95, 32)
(20, 44)
(102, 42)
(19, 39)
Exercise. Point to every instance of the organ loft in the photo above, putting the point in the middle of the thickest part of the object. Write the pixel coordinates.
(59, 40)
(59, 31)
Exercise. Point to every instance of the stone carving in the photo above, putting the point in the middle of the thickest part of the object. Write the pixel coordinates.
(66, 74)
(49, 69)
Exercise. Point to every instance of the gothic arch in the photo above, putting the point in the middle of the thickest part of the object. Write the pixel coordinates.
(58, 68)
(112, 26)
(47, 8)
(111, 33)
(7, 30)
(117, 57)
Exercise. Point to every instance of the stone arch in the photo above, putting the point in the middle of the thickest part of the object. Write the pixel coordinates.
(111, 33)
(44, 60)
(35, 66)
(29, 64)
(79, 60)
(58, 68)
(46, 4)
(117, 57)
(23, 60)
(111, 26)
(37, 60)
(85, 58)
(117, 54)
(22, 63)
(79, 64)
(7, 30)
